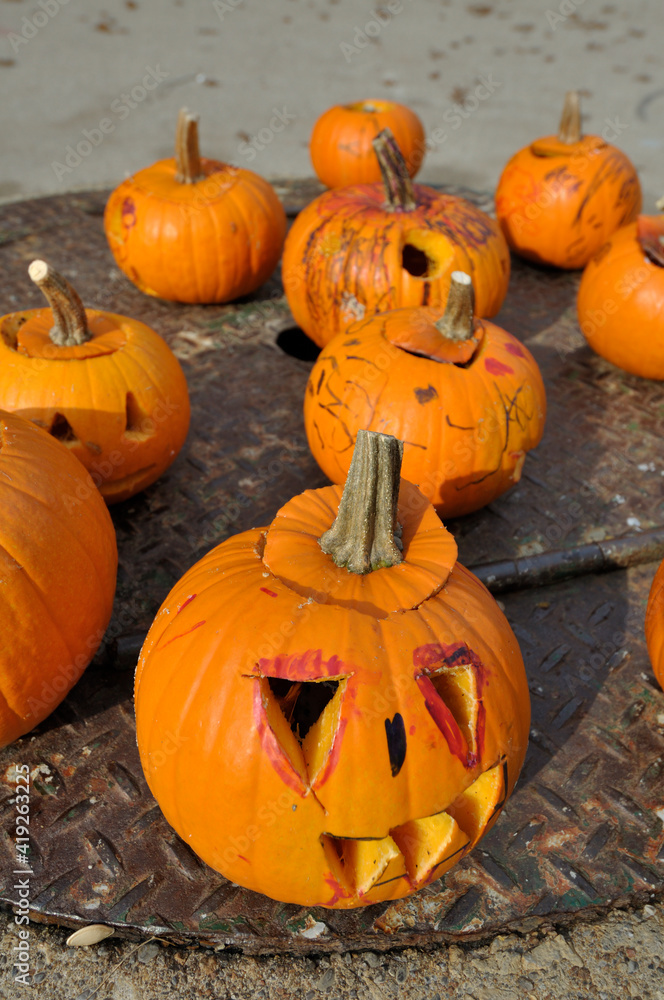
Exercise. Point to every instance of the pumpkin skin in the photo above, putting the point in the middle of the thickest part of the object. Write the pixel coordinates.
(388, 760)
(212, 239)
(655, 624)
(118, 401)
(558, 200)
(344, 256)
(67, 559)
(468, 411)
(621, 301)
(341, 141)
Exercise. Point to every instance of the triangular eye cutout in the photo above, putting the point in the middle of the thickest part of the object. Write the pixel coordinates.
(62, 430)
(457, 686)
(305, 719)
(139, 426)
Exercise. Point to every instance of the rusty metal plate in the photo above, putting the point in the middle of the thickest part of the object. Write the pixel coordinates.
(583, 831)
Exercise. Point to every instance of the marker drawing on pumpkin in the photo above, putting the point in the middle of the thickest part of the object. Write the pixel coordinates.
(185, 603)
(514, 349)
(444, 719)
(181, 635)
(307, 666)
(128, 213)
(270, 593)
(496, 367)
(273, 749)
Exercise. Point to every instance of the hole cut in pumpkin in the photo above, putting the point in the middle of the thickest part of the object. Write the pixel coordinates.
(457, 687)
(305, 719)
(63, 430)
(139, 426)
(416, 262)
(428, 844)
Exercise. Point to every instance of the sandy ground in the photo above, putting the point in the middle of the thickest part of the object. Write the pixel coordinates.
(66, 66)
(619, 957)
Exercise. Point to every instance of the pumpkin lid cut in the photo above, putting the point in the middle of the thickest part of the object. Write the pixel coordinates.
(377, 548)
(64, 331)
(570, 140)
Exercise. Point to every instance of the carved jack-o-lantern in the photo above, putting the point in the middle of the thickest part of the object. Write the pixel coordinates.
(332, 710)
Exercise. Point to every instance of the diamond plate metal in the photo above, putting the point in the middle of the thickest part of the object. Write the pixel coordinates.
(583, 831)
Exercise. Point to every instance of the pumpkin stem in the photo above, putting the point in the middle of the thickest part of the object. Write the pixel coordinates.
(399, 192)
(71, 324)
(187, 152)
(569, 130)
(458, 320)
(362, 536)
(650, 236)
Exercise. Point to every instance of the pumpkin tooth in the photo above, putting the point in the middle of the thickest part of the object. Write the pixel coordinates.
(430, 843)
(476, 807)
(362, 864)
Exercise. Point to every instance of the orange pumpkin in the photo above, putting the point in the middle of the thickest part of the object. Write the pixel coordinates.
(341, 142)
(105, 385)
(58, 561)
(369, 248)
(621, 298)
(655, 624)
(351, 713)
(195, 230)
(466, 397)
(562, 196)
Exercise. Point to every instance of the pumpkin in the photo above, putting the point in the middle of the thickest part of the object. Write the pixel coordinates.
(369, 248)
(350, 703)
(561, 197)
(655, 624)
(105, 385)
(341, 141)
(621, 298)
(466, 397)
(191, 229)
(58, 562)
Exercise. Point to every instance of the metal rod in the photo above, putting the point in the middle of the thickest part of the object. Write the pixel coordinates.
(561, 564)
(508, 574)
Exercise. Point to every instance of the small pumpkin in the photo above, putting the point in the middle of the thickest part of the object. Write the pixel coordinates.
(560, 198)
(369, 248)
(621, 298)
(191, 229)
(655, 624)
(338, 677)
(108, 387)
(466, 397)
(58, 563)
(341, 141)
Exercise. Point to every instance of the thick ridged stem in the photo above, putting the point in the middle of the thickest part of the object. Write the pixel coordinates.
(187, 152)
(70, 322)
(399, 192)
(569, 130)
(362, 536)
(458, 321)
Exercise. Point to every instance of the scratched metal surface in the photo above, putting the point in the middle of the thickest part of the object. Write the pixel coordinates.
(581, 833)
